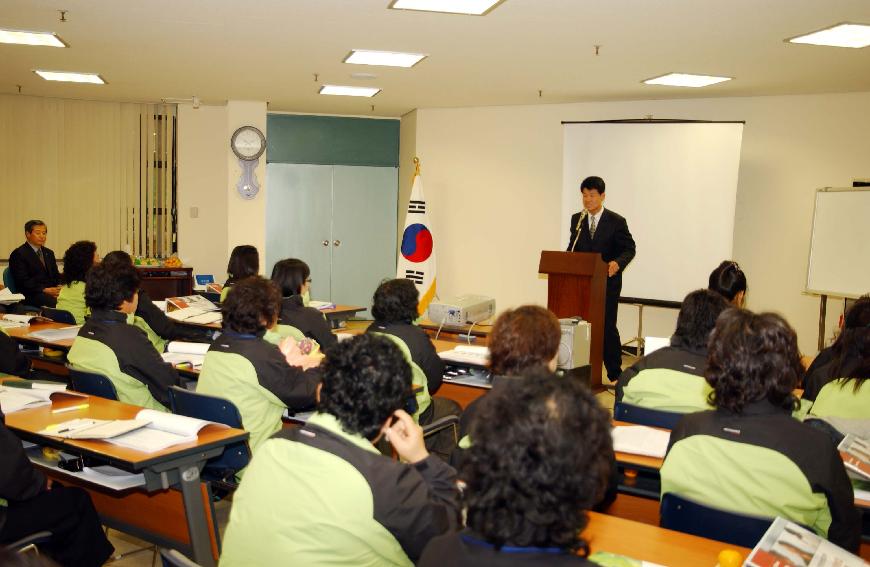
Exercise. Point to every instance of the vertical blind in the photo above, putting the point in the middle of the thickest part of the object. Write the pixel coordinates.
(96, 171)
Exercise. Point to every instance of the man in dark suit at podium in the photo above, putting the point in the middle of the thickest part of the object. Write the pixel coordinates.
(33, 267)
(595, 229)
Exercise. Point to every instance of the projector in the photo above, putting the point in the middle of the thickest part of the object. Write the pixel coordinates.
(574, 345)
(461, 310)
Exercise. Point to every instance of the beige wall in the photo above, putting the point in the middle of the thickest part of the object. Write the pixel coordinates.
(246, 218)
(493, 181)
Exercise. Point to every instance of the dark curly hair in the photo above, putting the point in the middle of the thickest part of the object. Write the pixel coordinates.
(251, 305)
(365, 379)
(753, 357)
(289, 275)
(117, 257)
(728, 280)
(77, 260)
(851, 350)
(395, 301)
(109, 285)
(523, 339)
(244, 262)
(541, 457)
(697, 317)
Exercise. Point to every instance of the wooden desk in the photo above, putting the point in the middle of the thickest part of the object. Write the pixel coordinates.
(20, 334)
(161, 282)
(652, 543)
(453, 333)
(175, 467)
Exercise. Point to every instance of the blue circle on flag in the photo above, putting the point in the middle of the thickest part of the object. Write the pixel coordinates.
(416, 243)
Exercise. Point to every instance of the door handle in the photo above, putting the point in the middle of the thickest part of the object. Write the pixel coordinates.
(336, 243)
(325, 243)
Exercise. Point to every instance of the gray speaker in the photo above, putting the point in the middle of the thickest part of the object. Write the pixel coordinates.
(574, 344)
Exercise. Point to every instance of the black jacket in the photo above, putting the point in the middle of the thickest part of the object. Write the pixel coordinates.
(19, 480)
(466, 549)
(422, 350)
(166, 327)
(612, 240)
(28, 272)
(818, 374)
(309, 320)
(674, 357)
(136, 355)
(12, 360)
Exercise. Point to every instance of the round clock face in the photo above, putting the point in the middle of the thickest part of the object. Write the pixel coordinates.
(248, 143)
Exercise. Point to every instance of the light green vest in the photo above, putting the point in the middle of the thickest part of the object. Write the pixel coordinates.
(665, 389)
(302, 506)
(224, 291)
(280, 332)
(155, 339)
(233, 377)
(699, 462)
(93, 356)
(418, 380)
(72, 299)
(839, 399)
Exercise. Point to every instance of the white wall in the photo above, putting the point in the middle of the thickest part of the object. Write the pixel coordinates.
(493, 181)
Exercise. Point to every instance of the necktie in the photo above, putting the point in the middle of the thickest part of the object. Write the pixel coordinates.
(592, 227)
(41, 257)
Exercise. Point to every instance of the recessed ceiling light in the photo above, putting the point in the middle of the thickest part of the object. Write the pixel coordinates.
(21, 37)
(349, 91)
(384, 58)
(472, 7)
(70, 77)
(841, 35)
(686, 80)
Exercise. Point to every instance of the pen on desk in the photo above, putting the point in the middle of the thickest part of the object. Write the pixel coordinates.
(71, 408)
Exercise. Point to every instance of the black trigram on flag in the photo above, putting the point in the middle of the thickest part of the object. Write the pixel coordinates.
(418, 207)
(415, 276)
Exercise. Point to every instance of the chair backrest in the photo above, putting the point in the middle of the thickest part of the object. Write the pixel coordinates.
(92, 383)
(8, 281)
(59, 315)
(174, 558)
(645, 416)
(688, 516)
(213, 408)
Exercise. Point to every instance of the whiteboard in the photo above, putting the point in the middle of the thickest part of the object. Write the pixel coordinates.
(676, 186)
(839, 262)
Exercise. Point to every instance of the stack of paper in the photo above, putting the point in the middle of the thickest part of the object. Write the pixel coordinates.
(93, 428)
(8, 298)
(786, 544)
(16, 399)
(321, 305)
(55, 335)
(467, 354)
(640, 440)
(184, 353)
(164, 430)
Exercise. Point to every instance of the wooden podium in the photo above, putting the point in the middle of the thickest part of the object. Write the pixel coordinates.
(577, 285)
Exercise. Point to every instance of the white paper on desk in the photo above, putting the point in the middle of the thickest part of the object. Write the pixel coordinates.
(112, 477)
(164, 430)
(52, 335)
(652, 344)
(183, 347)
(177, 358)
(161, 305)
(83, 428)
(8, 324)
(321, 304)
(467, 354)
(640, 440)
(16, 399)
(7, 297)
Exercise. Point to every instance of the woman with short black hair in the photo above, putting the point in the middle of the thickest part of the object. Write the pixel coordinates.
(729, 281)
(293, 278)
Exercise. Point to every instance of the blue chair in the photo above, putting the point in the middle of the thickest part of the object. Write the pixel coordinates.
(9, 282)
(59, 315)
(688, 516)
(645, 416)
(220, 470)
(29, 542)
(92, 383)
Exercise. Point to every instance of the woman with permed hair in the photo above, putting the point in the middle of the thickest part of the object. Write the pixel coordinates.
(520, 512)
(749, 455)
(77, 261)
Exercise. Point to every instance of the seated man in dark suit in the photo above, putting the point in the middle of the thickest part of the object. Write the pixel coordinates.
(33, 267)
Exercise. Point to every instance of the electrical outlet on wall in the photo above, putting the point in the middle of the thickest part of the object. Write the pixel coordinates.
(194, 212)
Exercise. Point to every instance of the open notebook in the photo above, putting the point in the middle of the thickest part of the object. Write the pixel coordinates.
(14, 399)
(640, 440)
(467, 354)
(185, 353)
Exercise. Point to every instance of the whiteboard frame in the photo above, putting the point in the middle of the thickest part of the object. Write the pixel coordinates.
(820, 292)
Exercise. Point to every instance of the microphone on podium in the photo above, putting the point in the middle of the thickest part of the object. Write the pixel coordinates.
(583, 214)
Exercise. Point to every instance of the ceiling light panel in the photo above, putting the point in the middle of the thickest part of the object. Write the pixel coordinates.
(21, 37)
(383, 58)
(340, 90)
(470, 7)
(841, 35)
(68, 77)
(686, 80)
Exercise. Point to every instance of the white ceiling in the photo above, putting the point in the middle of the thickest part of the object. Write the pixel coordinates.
(271, 49)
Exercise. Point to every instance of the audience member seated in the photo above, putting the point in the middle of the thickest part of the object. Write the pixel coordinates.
(250, 372)
(244, 263)
(33, 267)
(323, 495)
(395, 308)
(28, 505)
(77, 260)
(672, 378)
(292, 277)
(538, 462)
(729, 281)
(12, 360)
(106, 344)
(749, 456)
(838, 387)
(523, 340)
(151, 319)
